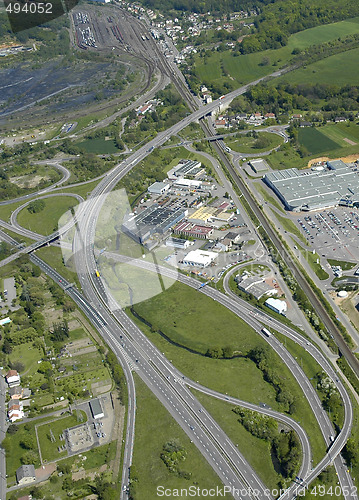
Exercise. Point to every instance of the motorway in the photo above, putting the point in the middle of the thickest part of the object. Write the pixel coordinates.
(137, 353)
(256, 319)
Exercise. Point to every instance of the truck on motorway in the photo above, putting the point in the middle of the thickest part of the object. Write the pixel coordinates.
(266, 332)
(97, 273)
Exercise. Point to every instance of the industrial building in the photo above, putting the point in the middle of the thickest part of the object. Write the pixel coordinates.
(279, 306)
(159, 188)
(258, 165)
(154, 219)
(199, 258)
(337, 184)
(186, 168)
(193, 230)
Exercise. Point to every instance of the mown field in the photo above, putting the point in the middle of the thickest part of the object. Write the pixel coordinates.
(246, 144)
(315, 141)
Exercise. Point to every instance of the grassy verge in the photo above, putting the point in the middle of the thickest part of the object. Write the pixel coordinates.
(312, 261)
(154, 428)
(268, 198)
(346, 266)
(53, 256)
(289, 226)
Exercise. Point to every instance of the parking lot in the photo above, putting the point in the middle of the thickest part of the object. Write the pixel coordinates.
(333, 233)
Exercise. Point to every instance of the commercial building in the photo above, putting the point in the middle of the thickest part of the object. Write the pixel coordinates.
(25, 474)
(96, 409)
(255, 285)
(159, 188)
(193, 230)
(153, 219)
(203, 215)
(279, 306)
(199, 258)
(189, 184)
(337, 184)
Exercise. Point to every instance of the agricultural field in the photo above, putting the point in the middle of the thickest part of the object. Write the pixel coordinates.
(340, 69)
(222, 66)
(315, 141)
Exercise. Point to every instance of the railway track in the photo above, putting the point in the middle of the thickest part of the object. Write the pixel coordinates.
(292, 265)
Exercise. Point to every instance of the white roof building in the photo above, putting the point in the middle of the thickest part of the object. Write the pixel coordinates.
(158, 188)
(12, 378)
(199, 258)
(187, 184)
(277, 305)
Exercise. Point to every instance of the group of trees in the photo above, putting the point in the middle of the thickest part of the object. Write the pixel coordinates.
(285, 445)
(331, 399)
(172, 455)
(327, 98)
(263, 358)
(220, 352)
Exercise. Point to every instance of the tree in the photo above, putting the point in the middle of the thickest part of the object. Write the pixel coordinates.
(12, 429)
(36, 206)
(6, 347)
(28, 442)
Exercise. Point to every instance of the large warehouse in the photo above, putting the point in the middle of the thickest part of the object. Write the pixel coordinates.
(337, 184)
(154, 219)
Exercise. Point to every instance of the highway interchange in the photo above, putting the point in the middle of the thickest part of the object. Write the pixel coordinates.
(171, 387)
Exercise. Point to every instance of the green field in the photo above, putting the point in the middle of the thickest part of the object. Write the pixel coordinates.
(245, 68)
(244, 144)
(27, 355)
(315, 141)
(154, 428)
(191, 319)
(98, 146)
(46, 221)
(339, 69)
